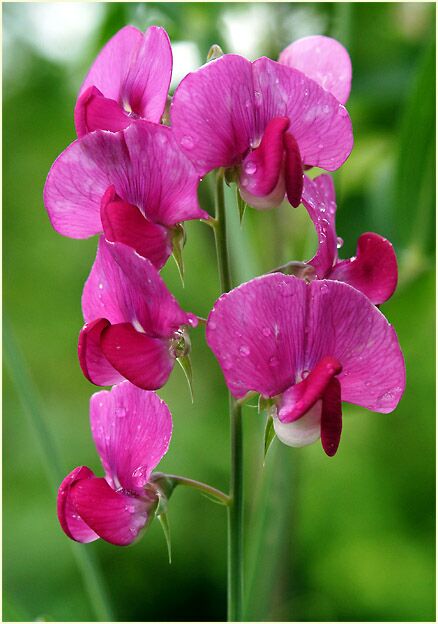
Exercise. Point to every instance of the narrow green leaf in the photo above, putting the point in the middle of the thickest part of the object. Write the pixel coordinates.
(269, 435)
(186, 364)
(164, 522)
(241, 204)
(178, 242)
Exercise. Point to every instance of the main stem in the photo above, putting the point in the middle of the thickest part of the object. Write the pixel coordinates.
(235, 508)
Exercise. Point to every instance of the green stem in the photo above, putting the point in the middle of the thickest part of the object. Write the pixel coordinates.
(31, 402)
(210, 491)
(235, 508)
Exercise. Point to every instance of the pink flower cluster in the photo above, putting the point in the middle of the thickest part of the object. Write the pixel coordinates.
(304, 344)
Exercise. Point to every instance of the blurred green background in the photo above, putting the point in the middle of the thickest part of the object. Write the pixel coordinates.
(347, 538)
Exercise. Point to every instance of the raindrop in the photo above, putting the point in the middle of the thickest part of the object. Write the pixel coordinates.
(250, 167)
(187, 142)
(320, 146)
(212, 325)
(244, 350)
(266, 331)
(339, 242)
(273, 361)
(324, 289)
(306, 92)
(325, 108)
(120, 412)
(342, 111)
(100, 285)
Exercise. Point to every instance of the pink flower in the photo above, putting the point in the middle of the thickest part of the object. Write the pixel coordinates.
(373, 270)
(135, 328)
(265, 120)
(324, 60)
(131, 430)
(308, 346)
(129, 80)
(135, 185)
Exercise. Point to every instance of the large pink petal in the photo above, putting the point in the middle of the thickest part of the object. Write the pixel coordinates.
(213, 113)
(256, 332)
(116, 517)
(324, 60)
(373, 270)
(344, 324)
(94, 364)
(144, 164)
(93, 111)
(319, 200)
(71, 523)
(319, 123)
(134, 69)
(125, 287)
(144, 361)
(124, 223)
(299, 398)
(132, 430)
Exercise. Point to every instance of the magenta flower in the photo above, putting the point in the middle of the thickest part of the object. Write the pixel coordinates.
(265, 120)
(308, 346)
(129, 80)
(324, 60)
(131, 430)
(135, 186)
(373, 270)
(135, 328)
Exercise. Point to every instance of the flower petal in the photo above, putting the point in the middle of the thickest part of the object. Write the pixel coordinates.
(324, 60)
(344, 323)
(294, 175)
(212, 112)
(126, 287)
(301, 397)
(93, 111)
(124, 223)
(132, 430)
(134, 69)
(71, 523)
(331, 417)
(320, 125)
(319, 200)
(114, 516)
(144, 164)
(144, 361)
(373, 270)
(256, 332)
(302, 432)
(94, 364)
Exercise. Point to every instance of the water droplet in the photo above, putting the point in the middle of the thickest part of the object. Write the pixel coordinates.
(368, 384)
(248, 103)
(266, 331)
(226, 363)
(320, 146)
(325, 109)
(306, 92)
(305, 374)
(212, 325)
(273, 361)
(250, 167)
(324, 289)
(187, 142)
(120, 412)
(342, 111)
(140, 473)
(339, 242)
(244, 350)
(100, 285)
(244, 182)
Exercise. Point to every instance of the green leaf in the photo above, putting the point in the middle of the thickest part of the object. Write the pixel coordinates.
(178, 242)
(186, 364)
(241, 204)
(269, 435)
(164, 522)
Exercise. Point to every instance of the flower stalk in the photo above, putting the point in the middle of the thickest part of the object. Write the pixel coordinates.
(235, 507)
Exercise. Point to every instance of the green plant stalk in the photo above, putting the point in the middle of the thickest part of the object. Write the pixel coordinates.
(206, 489)
(235, 508)
(31, 402)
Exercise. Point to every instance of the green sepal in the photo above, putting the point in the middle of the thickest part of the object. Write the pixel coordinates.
(241, 204)
(269, 435)
(178, 242)
(186, 364)
(164, 522)
(214, 52)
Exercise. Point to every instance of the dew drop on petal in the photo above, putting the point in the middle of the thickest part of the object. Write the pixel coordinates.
(342, 111)
(187, 142)
(244, 350)
(306, 92)
(250, 167)
(100, 286)
(324, 289)
(120, 412)
(273, 361)
(326, 109)
(320, 146)
(212, 325)
(339, 242)
(266, 331)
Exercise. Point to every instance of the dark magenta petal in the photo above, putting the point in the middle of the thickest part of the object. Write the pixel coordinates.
(114, 516)
(144, 361)
(132, 430)
(93, 111)
(124, 223)
(324, 60)
(262, 167)
(94, 364)
(71, 523)
(319, 200)
(134, 69)
(299, 398)
(331, 417)
(373, 270)
(293, 173)
(127, 288)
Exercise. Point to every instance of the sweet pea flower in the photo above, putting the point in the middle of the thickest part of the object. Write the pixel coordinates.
(324, 60)
(135, 186)
(306, 346)
(131, 430)
(129, 80)
(373, 270)
(135, 328)
(265, 121)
